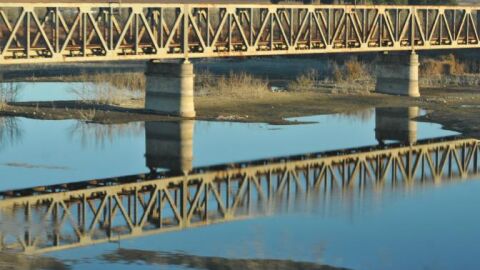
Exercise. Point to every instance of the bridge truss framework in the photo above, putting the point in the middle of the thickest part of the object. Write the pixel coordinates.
(62, 32)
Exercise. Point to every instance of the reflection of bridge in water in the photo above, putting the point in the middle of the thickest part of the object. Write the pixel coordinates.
(170, 144)
(70, 215)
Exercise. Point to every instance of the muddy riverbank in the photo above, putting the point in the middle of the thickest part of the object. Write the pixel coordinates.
(455, 109)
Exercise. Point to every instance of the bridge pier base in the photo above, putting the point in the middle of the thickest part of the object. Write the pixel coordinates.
(398, 75)
(169, 88)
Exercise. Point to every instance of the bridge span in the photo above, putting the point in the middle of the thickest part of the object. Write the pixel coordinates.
(74, 32)
(49, 218)
(61, 32)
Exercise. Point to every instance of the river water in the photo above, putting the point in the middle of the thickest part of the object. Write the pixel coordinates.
(423, 227)
(40, 152)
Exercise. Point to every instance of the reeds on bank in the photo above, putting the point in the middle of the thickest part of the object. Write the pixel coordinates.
(110, 88)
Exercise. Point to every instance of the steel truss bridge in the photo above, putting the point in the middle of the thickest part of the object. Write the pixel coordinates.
(63, 32)
(64, 216)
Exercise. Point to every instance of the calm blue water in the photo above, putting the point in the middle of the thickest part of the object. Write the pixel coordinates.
(47, 91)
(56, 91)
(36, 152)
(431, 228)
(424, 227)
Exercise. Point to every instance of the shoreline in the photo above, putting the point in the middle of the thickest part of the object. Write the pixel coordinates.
(454, 109)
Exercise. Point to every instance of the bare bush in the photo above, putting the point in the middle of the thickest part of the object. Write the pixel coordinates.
(350, 71)
(232, 85)
(352, 76)
(10, 130)
(447, 71)
(99, 135)
(355, 70)
(308, 81)
(446, 65)
(8, 93)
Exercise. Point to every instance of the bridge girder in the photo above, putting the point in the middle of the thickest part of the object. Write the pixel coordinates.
(63, 32)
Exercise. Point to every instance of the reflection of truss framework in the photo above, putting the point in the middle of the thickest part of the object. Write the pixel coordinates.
(70, 215)
(84, 32)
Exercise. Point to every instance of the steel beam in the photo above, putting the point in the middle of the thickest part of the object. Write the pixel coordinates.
(74, 32)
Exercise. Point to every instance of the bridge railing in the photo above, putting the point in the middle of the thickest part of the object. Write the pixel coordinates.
(57, 32)
(65, 216)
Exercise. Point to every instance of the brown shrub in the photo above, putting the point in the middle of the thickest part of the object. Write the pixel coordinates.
(305, 82)
(352, 76)
(446, 65)
(354, 70)
(430, 67)
(351, 70)
(231, 85)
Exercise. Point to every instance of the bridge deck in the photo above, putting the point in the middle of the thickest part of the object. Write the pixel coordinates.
(63, 32)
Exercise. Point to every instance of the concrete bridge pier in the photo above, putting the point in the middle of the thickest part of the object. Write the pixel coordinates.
(169, 88)
(397, 74)
(169, 145)
(396, 124)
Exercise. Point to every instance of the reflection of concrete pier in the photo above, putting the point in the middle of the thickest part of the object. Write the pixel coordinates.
(396, 124)
(169, 145)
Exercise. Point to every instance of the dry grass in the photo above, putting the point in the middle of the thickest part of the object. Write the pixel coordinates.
(309, 81)
(337, 72)
(205, 82)
(111, 88)
(352, 76)
(356, 77)
(465, 80)
(134, 81)
(238, 85)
